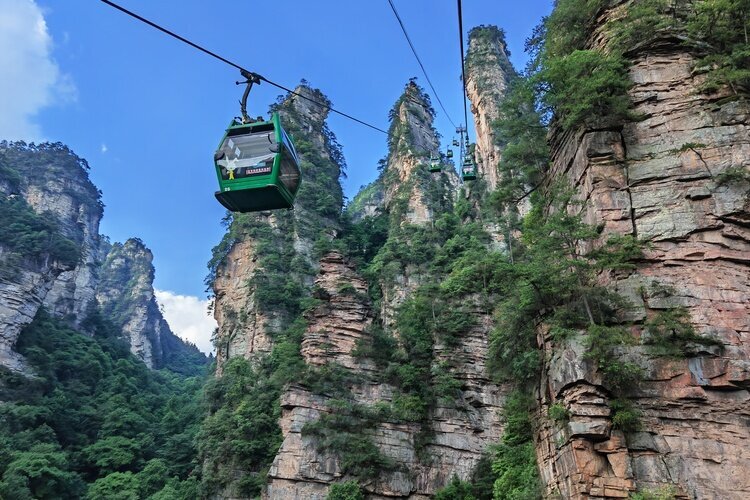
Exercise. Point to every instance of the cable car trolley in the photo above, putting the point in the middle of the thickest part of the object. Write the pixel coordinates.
(435, 164)
(469, 169)
(256, 163)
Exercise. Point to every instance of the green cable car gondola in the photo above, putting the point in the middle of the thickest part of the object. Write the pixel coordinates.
(468, 169)
(256, 163)
(435, 164)
(449, 153)
(257, 167)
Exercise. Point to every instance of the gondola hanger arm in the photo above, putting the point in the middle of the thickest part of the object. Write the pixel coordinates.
(250, 79)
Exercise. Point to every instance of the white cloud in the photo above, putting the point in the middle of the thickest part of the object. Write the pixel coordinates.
(188, 318)
(31, 80)
(104, 148)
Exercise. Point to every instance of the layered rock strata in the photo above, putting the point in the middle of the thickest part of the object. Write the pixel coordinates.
(459, 433)
(488, 76)
(54, 182)
(125, 293)
(665, 179)
(244, 326)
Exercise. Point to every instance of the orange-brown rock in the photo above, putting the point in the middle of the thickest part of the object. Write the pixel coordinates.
(460, 432)
(488, 75)
(661, 179)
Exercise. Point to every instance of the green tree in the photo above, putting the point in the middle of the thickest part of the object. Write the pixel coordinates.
(455, 490)
(41, 472)
(115, 486)
(348, 490)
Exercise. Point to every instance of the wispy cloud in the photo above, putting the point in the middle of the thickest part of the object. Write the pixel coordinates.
(104, 148)
(188, 318)
(31, 79)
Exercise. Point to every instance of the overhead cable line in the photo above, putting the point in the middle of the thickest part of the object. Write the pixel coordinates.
(463, 69)
(245, 73)
(424, 71)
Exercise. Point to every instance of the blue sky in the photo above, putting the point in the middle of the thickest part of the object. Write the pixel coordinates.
(147, 111)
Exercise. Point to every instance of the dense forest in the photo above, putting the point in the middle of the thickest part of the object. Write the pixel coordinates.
(526, 258)
(94, 422)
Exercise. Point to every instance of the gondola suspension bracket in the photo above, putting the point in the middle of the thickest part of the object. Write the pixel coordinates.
(250, 80)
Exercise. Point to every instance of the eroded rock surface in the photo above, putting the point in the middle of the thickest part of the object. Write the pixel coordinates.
(54, 183)
(663, 179)
(459, 433)
(488, 75)
(52, 180)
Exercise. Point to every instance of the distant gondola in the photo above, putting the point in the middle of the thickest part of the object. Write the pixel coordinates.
(257, 167)
(435, 164)
(469, 168)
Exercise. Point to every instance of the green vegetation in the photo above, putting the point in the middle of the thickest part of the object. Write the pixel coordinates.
(723, 25)
(547, 277)
(514, 462)
(348, 490)
(29, 237)
(344, 432)
(624, 416)
(576, 82)
(671, 333)
(733, 175)
(241, 430)
(571, 81)
(525, 154)
(558, 412)
(585, 84)
(23, 164)
(94, 422)
(553, 282)
(456, 490)
(667, 492)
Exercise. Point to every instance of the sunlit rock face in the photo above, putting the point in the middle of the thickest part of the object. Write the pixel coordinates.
(54, 183)
(244, 324)
(460, 433)
(662, 179)
(488, 75)
(125, 294)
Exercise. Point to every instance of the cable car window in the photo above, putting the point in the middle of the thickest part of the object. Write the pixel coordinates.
(288, 174)
(289, 144)
(245, 155)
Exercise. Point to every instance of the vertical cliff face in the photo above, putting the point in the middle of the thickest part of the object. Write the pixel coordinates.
(678, 178)
(51, 181)
(488, 75)
(422, 459)
(395, 373)
(405, 188)
(51, 255)
(412, 196)
(125, 293)
(262, 274)
(411, 193)
(267, 262)
(416, 442)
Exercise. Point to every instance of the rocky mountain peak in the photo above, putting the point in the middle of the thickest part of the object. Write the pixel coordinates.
(266, 264)
(488, 76)
(125, 293)
(309, 106)
(46, 187)
(411, 193)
